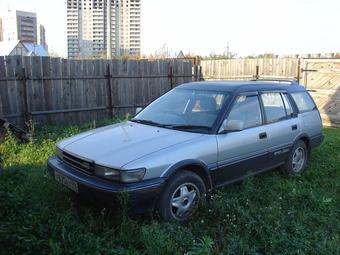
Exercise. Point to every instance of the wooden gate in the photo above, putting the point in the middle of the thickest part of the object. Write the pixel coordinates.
(322, 78)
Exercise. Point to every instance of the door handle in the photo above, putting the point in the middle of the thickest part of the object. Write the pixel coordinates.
(263, 135)
(294, 127)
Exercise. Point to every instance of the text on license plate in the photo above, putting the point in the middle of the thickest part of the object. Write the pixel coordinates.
(66, 181)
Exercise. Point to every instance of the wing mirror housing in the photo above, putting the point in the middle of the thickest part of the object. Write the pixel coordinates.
(232, 126)
(138, 110)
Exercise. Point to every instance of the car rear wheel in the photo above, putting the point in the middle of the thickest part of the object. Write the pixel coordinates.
(180, 197)
(297, 159)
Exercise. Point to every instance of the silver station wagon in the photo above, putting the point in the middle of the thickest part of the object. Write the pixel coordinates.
(197, 137)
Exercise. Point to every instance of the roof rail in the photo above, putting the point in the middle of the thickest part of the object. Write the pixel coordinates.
(278, 80)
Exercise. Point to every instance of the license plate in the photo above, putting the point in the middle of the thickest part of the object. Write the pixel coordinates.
(66, 181)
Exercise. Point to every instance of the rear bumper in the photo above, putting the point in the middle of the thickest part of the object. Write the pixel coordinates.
(142, 196)
(316, 141)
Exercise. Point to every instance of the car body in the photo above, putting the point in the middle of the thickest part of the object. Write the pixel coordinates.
(198, 136)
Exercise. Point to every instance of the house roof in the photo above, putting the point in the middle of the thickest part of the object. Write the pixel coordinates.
(6, 47)
(180, 55)
(35, 50)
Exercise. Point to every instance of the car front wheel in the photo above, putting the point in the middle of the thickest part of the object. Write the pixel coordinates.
(180, 197)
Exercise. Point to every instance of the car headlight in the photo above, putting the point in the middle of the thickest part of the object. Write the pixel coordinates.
(125, 176)
(132, 175)
(107, 173)
(59, 152)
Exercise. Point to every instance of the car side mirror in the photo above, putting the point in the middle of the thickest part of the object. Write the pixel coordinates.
(138, 110)
(232, 125)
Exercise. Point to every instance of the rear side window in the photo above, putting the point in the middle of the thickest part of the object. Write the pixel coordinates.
(273, 107)
(246, 109)
(303, 101)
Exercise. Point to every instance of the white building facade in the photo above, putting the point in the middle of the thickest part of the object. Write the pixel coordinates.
(19, 25)
(103, 28)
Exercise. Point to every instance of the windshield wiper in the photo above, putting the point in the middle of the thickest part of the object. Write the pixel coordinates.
(148, 122)
(190, 127)
(173, 126)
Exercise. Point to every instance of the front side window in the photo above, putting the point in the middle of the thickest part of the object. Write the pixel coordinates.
(246, 109)
(303, 101)
(273, 107)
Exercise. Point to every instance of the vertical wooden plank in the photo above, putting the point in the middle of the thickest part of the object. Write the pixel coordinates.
(66, 90)
(40, 100)
(86, 116)
(14, 89)
(93, 89)
(132, 71)
(48, 90)
(144, 92)
(21, 103)
(5, 108)
(56, 88)
(73, 91)
(11, 93)
(80, 91)
(114, 85)
(122, 83)
(29, 84)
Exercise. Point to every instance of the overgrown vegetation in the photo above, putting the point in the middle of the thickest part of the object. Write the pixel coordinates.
(270, 214)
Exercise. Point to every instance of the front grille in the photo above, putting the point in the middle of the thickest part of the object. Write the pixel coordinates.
(78, 163)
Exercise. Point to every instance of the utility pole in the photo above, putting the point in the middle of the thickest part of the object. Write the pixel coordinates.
(228, 54)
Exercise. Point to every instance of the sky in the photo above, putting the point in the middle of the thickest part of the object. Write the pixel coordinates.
(202, 27)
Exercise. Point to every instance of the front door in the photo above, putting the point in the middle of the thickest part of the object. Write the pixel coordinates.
(242, 152)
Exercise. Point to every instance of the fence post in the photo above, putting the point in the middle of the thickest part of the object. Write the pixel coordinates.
(109, 91)
(23, 78)
(200, 76)
(257, 71)
(195, 72)
(170, 76)
(298, 71)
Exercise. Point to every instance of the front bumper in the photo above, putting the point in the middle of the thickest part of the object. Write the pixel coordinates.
(142, 196)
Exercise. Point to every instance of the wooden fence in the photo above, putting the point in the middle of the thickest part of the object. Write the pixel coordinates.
(236, 69)
(61, 91)
(320, 76)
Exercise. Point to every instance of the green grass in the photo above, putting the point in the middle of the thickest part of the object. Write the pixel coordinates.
(268, 214)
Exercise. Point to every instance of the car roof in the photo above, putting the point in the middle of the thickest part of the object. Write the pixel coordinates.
(242, 86)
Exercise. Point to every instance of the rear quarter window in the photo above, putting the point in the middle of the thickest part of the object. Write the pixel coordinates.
(303, 101)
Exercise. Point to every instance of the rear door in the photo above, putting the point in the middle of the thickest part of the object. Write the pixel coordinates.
(281, 123)
(243, 151)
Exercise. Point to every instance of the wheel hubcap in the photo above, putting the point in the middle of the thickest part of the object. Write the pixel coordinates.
(183, 200)
(298, 159)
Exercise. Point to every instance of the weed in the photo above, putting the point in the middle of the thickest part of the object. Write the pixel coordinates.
(268, 214)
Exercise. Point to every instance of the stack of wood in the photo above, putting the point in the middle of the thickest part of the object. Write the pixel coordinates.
(19, 133)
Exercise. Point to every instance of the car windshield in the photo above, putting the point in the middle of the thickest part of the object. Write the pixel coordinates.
(184, 109)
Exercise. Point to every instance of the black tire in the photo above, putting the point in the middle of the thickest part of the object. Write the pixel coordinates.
(297, 160)
(174, 193)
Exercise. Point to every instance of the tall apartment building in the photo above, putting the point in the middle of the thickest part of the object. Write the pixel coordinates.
(103, 28)
(19, 25)
(41, 37)
(1, 39)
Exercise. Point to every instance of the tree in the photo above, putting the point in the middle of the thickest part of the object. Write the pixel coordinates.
(53, 54)
(162, 52)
